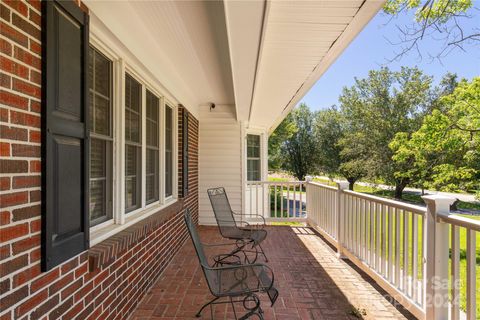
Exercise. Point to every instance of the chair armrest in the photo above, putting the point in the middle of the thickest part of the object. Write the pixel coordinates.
(264, 224)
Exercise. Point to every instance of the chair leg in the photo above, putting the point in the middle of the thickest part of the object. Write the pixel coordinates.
(199, 313)
(263, 252)
(255, 310)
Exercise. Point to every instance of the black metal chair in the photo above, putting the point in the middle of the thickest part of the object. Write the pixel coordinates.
(251, 235)
(236, 283)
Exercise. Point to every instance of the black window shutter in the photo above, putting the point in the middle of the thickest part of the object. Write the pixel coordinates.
(185, 153)
(65, 145)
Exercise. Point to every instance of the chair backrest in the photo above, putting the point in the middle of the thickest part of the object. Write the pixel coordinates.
(192, 230)
(210, 275)
(222, 210)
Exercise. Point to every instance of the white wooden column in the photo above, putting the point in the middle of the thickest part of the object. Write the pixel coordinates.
(437, 254)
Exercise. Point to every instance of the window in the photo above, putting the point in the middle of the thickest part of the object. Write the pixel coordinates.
(100, 95)
(132, 140)
(253, 158)
(168, 151)
(133, 143)
(152, 162)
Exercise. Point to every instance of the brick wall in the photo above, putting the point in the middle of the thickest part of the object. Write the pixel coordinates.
(107, 281)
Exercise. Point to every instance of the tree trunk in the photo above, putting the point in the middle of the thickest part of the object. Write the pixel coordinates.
(351, 182)
(399, 190)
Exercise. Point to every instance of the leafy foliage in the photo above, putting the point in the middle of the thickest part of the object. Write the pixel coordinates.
(445, 152)
(375, 110)
(328, 130)
(300, 150)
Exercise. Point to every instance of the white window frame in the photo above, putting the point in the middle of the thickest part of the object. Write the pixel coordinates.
(261, 157)
(122, 64)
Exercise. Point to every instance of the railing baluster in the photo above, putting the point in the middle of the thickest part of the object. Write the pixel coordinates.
(275, 199)
(288, 200)
(372, 235)
(377, 236)
(471, 275)
(390, 244)
(294, 201)
(455, 285)
(397, 248)
(414, 256)
(281, 200)
(359, 228)
(383, 256)
(405, 252)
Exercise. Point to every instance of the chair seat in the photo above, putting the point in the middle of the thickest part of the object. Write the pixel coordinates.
(256, 235)
(238, 281)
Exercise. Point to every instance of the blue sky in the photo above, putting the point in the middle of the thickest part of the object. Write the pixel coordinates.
(371, 50)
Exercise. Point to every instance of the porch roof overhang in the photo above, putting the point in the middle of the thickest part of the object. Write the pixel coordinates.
(259, 58)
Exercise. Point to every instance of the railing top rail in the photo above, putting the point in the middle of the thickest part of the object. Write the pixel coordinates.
(318, 184)
(460, 221)
(392, 203)
(275, 182)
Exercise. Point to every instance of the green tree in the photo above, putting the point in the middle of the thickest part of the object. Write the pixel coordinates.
(300, 149)
(375, 110)
(283, 132)
(328, 131)
(446, 148)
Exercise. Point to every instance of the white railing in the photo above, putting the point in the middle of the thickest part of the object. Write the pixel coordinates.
(276, 201)
(404, 248)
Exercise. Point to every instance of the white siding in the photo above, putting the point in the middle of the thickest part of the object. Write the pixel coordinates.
(220, 158)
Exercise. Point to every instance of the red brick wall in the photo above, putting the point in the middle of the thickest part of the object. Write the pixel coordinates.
(81, 288)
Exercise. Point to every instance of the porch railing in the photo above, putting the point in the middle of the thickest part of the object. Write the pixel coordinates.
(424, 257)
(276, 201)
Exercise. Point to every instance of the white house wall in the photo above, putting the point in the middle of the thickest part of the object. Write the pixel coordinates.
(220, 158)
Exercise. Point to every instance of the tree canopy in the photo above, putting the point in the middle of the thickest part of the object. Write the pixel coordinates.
(444, 153)
(442, 20)
(392, 126)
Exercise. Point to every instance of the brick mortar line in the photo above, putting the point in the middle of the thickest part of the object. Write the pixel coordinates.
(16, 44)
(14, 76)
(32, 113)
(22, 142)
(20, 30)
(28, 50)
(23, 95)
(12, 241)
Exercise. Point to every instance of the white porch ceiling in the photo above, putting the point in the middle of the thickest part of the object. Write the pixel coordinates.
(301, 40)
(259, 58)
(183, 44)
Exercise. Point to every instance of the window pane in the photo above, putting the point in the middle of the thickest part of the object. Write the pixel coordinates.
(253, 170)
(102, 74)
(97, 199)
(168, 151)
(152, 119)
(253, 158)
(133, 129)
(99, 72)
(97, 158)
(102, 116)
(132, 174)
(133, 100)
(253, 146)
(100, 96)
(152, 175)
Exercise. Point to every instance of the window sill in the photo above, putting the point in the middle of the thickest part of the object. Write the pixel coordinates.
(112, 241)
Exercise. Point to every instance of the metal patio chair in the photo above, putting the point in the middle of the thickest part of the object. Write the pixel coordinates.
(248, 239)
(236, 283)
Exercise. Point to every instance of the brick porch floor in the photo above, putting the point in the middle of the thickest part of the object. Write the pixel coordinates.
(313, 283)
